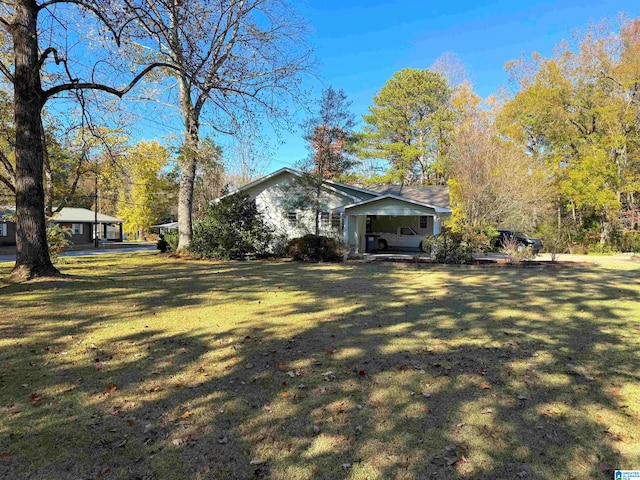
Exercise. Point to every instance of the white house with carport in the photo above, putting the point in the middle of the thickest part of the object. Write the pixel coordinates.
(347, 211)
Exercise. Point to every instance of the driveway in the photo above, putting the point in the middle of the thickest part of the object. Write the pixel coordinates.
(83, 253)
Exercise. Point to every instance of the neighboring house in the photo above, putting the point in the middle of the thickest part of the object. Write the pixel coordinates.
(7, 228)
(80, 221)
(165, 228)
(348, 211)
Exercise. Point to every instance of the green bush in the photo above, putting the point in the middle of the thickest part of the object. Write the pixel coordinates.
(600, 249)
(630, 242)
(311, 248)
(58, 237)
(162, 244)
(168, 242)
(449, 247)
(233, 228)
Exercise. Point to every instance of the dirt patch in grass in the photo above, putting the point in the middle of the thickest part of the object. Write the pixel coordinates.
(156, 368)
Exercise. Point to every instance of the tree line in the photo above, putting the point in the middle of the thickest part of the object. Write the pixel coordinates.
(558, 154)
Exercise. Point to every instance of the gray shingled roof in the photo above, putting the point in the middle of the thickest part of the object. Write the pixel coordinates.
(72, 215)
(82, 215)
(436, 195)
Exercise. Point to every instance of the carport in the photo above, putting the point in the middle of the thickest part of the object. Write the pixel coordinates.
(385, 214)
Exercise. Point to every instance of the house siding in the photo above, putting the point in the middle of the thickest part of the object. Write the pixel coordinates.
(10, 239)
(278, 196)
(84, 238)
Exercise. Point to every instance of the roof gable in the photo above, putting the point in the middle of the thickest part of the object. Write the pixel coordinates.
(326, 184)
(397, 199)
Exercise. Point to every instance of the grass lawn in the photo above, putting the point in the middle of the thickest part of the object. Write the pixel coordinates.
(145, 367)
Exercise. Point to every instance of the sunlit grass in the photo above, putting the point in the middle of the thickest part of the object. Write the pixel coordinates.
(149, 367)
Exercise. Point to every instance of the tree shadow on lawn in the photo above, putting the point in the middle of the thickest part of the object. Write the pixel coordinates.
(277, 370)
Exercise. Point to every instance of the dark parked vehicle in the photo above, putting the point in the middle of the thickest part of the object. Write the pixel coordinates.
(522, 239)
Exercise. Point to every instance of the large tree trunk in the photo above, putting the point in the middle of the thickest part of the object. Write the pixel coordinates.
(32, 253)
(189, 163)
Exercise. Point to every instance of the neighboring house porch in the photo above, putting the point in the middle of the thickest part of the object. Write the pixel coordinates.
(81, 223)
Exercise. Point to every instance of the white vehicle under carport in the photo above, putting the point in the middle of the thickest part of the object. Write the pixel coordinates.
(403, 238)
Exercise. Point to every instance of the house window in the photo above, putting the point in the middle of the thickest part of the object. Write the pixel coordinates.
(324, 218)
(292, 217)
(424, 222)
(335, 220)
(3, 229)
(77, 228)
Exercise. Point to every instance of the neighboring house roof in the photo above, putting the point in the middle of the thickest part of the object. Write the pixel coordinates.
(170, 225)
(82, 215)
(71, 215)
(436, 195)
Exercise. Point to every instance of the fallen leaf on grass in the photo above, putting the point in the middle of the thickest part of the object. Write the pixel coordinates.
(104, 472)
(362, 373)
(113, 411)
(186, 414)
(36, 399)
(110, 389)
(485, 386)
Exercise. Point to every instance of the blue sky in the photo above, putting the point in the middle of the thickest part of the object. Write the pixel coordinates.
(361, 43)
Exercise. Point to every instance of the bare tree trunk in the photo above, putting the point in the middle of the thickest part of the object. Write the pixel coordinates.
(189, 163)
(32, 253)
(605, 229)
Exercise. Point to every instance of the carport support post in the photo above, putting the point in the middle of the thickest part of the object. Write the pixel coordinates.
(345, 235)
(121, 233)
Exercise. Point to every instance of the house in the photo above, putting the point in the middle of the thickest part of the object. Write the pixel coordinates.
(347, 211)
(80, 221)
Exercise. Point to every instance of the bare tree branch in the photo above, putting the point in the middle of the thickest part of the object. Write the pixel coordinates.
(65, 87)
(6, 72)
(8, 183)
(7, 164)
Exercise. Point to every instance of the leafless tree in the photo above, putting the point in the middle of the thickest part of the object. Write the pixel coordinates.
(493, 182)
(236, 60)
